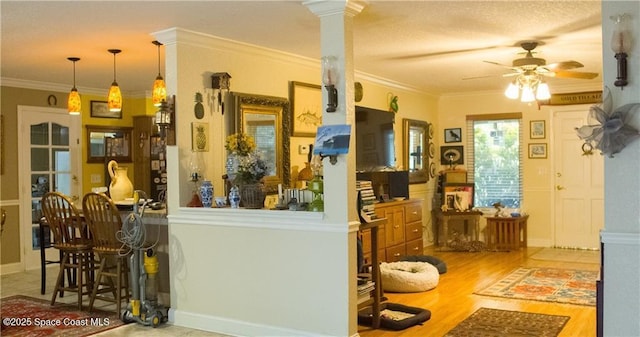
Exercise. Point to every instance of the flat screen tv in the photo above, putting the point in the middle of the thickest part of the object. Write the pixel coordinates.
(374, 140)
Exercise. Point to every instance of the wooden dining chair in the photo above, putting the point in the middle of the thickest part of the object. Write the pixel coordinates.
(105, 223)
(71, 237)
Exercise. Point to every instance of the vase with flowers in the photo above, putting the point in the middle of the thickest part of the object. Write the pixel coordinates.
(248, 169)
(237, 145)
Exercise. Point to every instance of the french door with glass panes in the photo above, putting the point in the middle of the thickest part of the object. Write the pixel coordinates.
(51, 161)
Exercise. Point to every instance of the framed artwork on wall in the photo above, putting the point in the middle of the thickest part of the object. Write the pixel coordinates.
(199, 137)
(100, 109)
(306, 108)
(537, 130)
(538, 150)
(451, 155)
(453, 135)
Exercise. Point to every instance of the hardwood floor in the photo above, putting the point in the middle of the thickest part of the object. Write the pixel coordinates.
(453, 300)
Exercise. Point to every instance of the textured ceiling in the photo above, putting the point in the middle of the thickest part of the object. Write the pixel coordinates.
(433, 46)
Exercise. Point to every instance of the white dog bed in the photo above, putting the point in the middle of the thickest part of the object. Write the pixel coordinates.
(408, 277)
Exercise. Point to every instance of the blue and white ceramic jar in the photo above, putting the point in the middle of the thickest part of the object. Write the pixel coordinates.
(206, 193)
(234, 197)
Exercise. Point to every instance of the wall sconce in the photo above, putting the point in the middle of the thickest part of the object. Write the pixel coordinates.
(330, 79)
(621, 45)
(220, 82)
(164, 116)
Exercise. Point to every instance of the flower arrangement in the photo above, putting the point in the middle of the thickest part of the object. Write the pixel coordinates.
(251, 169)
(240, 144)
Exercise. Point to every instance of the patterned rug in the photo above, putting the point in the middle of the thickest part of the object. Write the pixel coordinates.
(487, 322)
(548, 285)
(26, 316)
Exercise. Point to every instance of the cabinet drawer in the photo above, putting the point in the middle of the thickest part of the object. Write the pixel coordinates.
(414, 247)
(395, 253)
(413, 212)
(413, 231)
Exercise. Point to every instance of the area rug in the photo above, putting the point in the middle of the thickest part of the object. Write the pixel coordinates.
(547, 284)
(567, 255)
(27, 316)
(487, 322)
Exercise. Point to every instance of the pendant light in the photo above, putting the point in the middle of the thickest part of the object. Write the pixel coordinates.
(159, 93)
(74, 104)
(114, 100)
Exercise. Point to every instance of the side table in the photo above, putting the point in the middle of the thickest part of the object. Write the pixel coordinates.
(507, 233)
(441, 219)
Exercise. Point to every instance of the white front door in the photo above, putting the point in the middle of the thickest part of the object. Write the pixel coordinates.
(50, 160)
(579, 183)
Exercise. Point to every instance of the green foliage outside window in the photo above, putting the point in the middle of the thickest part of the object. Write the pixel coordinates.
(497, 163)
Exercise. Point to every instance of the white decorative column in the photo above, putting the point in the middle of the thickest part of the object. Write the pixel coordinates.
(336, 39)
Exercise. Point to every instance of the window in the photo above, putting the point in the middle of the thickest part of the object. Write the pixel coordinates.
(496, 159)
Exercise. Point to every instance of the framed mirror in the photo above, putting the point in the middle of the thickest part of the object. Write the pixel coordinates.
(109, 142)
(267, 120)
(415, 151)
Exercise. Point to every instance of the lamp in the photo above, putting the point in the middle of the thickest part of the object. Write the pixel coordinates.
(621, 44)
(74, 104)
(114, 99)
(159, 92)
(330, 79)
(529, 86)
(164, 117)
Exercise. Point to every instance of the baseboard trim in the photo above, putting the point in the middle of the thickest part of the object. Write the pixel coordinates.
(10, 268)
(230, 326)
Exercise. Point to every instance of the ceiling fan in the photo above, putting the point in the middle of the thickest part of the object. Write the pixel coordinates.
(529, 65)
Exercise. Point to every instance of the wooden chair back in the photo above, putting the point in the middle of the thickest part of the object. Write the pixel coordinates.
(64, 220)
(103, 218)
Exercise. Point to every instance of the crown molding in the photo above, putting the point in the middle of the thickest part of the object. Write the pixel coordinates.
(49, 86)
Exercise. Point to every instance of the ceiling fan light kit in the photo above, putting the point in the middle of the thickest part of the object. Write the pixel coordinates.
(529, 72)
(621, 44)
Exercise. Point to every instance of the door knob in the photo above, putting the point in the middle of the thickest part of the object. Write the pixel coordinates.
(559, 188)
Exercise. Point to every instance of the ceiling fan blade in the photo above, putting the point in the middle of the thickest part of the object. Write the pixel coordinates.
(476, 77)
(566, 65)
(443, 53)
(498, 64)
(575, 74)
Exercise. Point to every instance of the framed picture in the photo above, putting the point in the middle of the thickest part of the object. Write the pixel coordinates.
(200, 137)
(538, 150)
(458, 196)
(451, 155)
(101, 109)
(453, 135)
(537, 130)
(306, 108)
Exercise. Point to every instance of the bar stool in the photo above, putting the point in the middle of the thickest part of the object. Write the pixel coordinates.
(70, 236)
(105, 222)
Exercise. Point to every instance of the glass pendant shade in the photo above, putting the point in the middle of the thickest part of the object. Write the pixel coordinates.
(114, 99)
(74, 103)
(159, 92)
(527, 95)
(542, 93)
(512, 91)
